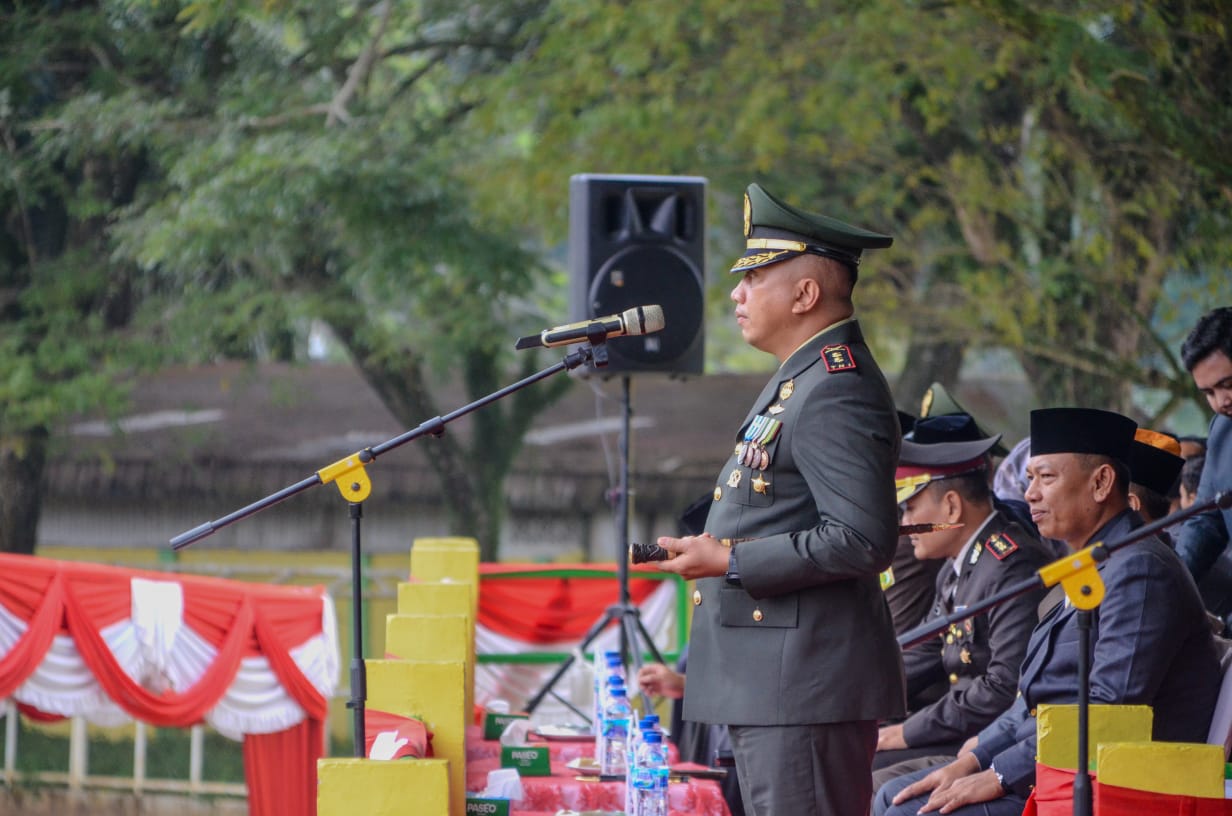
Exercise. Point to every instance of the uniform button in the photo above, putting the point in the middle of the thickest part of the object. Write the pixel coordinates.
(757, 615)
(949, 638)
(1032, 712)
(718, 493)
(953, 679)
(697, 597)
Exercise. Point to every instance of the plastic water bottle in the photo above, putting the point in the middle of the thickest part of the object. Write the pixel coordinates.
(605, 698)
(606, 664)
(650, 782)
(615, 732)
(640, 728)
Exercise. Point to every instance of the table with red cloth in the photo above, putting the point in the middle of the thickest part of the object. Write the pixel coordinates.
(563, 790)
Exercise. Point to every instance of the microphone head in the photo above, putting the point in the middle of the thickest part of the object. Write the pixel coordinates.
(643, 320)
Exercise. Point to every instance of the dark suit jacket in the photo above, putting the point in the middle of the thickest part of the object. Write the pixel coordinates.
(1202, 541)
(1151, 646)
(981, 656)
(807, 637)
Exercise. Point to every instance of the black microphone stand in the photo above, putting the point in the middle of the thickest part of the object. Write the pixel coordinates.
(353, 482)
(1078, 574)
(632, 630)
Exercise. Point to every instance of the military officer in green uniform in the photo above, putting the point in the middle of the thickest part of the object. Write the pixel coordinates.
(792, 643)
(943, 476)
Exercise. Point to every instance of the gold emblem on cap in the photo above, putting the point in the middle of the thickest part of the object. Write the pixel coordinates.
(926, 403)
(748, 216)
(718, 493)
(757, 615)
(697, 597)
(759, 484)
(733, 478)
(787, 389)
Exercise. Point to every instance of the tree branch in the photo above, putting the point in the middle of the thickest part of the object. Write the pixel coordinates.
(359, 70)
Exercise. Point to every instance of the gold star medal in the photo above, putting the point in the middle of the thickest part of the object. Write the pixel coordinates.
(759, 484)
(965, 655)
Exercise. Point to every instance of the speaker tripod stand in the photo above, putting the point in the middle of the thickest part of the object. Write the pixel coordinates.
(634, 639)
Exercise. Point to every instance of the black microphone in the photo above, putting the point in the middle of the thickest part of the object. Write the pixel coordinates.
(638, 320)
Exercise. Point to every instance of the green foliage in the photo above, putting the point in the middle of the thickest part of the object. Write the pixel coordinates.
(1045, 168)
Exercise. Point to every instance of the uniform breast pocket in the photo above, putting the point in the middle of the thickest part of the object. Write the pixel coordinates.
(738, 608)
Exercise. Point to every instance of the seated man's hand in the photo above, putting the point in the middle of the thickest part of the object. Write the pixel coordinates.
(658, 680)
(890, 738)
(969, 745)
(941, 779)
(970, 790)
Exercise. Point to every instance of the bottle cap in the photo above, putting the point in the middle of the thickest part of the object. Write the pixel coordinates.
(652, 737)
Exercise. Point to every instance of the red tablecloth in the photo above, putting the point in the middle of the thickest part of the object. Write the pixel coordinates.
(545, 795)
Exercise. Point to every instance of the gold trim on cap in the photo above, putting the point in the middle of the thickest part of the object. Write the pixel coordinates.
(776, 243)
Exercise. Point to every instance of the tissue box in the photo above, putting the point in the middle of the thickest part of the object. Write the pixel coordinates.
(478, 806)
(494, 723)
(528, 760)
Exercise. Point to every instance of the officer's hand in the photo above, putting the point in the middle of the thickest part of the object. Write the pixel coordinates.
(970, 790)
(695, 556)
(890, 738)
(658, 680)
(940, 779)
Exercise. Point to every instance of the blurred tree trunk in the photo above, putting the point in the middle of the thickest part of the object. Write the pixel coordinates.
(928, 361)
(23, 461)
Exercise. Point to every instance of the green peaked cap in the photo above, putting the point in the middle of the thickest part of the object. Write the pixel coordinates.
(776, 231)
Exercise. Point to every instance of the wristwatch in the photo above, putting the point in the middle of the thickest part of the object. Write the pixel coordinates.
(733, 573)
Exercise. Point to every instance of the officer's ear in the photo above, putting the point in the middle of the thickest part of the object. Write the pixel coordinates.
(807, 294)
(1135, 503)
(951, 506)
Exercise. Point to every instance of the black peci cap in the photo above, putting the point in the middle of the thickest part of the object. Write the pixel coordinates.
(1082, 430)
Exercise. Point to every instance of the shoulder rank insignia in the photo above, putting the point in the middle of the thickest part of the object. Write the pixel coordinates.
(838, 358)
(887, 578)
(1001, 545)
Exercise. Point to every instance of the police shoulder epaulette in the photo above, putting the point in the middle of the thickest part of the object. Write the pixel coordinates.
(837, 357)
(1001, 545)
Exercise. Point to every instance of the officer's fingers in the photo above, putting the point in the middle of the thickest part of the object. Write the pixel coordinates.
(672, 545)
(918, 788)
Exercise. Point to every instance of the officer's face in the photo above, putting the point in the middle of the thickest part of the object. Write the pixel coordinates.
(1213, 376)
(1061, 495)
(930, 506)
(763, 299)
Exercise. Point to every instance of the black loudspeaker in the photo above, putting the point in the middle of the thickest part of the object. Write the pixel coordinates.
(640, 241)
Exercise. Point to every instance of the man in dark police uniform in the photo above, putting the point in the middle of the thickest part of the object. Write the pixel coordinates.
(944, 476)
(1151, 644)
(792, 644)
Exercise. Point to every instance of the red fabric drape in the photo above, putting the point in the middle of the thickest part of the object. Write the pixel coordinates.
(238, 619)
(550, 609)
(42, 625)
(1053, 794)
(1114, 801)
(281, 770)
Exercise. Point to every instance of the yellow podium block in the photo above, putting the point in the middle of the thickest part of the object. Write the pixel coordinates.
(1172, 768)
(347, 786)
(435, 559)
(1057, 731)
(434, 638)
(433, 692)
(423, 598)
